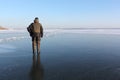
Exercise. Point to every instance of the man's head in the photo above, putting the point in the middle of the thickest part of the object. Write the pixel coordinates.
(36, 20)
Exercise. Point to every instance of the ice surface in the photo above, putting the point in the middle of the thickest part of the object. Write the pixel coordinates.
(53, 32)
(6, 48)
(23, 34)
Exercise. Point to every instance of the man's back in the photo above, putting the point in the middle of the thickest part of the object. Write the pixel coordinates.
(36, 27)
(36, 32)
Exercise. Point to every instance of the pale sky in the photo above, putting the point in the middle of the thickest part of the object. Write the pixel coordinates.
(61, 13)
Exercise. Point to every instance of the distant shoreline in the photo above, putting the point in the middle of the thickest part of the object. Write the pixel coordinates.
(81, 28)
(2, 28)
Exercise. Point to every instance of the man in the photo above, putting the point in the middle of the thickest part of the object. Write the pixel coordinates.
(36, 32)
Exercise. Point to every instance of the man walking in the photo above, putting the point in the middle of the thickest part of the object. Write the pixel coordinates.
(36, 32)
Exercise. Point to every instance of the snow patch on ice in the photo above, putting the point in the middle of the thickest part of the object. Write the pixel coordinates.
(11, 39)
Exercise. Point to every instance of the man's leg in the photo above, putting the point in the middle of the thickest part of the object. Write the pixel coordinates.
(34, 44)
(38, 45)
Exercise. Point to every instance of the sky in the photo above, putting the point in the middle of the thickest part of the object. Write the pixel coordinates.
(61, 13)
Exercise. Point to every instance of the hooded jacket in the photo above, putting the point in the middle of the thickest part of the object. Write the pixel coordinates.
(35, 28)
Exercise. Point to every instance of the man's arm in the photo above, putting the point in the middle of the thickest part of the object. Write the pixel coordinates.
(41, 31)
(29, 29)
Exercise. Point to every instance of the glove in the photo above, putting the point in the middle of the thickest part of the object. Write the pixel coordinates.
(41, 35)
(31, 34)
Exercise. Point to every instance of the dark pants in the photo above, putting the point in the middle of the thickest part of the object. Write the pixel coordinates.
(36, 44)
